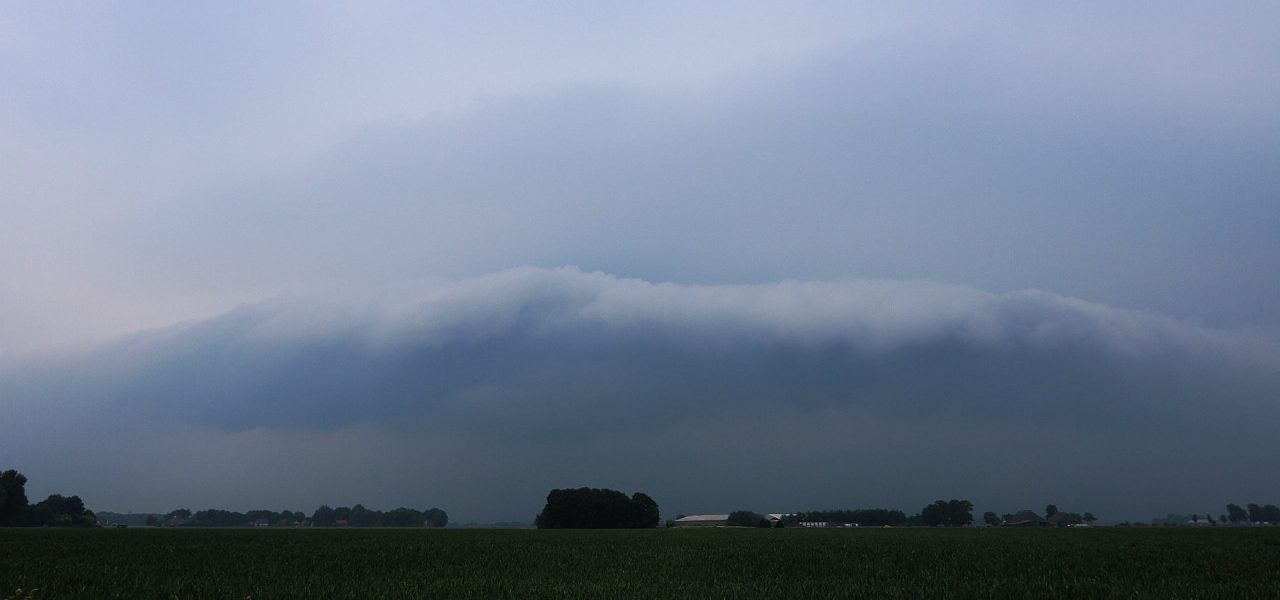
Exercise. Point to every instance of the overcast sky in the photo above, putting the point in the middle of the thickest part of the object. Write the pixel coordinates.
(740, 255)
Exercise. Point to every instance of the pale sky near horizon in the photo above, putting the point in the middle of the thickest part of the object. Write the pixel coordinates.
(468, 252)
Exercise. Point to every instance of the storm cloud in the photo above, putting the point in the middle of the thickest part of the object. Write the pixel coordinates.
(557, 362)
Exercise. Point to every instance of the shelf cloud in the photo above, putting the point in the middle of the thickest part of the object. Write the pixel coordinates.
(534, 359)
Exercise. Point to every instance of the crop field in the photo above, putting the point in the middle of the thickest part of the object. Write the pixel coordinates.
(716, 563)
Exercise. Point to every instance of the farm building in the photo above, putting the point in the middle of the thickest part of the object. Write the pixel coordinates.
(700, 521)
(1026, 518)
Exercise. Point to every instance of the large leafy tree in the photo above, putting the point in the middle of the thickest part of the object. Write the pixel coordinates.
(596, 508)
(13, 496)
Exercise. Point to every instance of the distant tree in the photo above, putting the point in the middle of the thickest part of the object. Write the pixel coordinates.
(403, 517)
(1089, 518)
(1235, 514)
(1255, 513)
(323, 516)
(62, 511)
(991, 518)
(363, 517)
(934, 514)
(153, 521)
(1271, 513)
(743, 518)
(216, 517)
(953, 513)
(180, 513)
(595, 508)
(1222, 518)
(1050, 510)
(861, 516)
(439, 518)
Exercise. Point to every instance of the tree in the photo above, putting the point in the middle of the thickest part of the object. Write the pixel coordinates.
(934, 514)
(646, 511)
(13, 496)
(1050, 510)
(743, 518)
(1255, 513)
(1089, 518)
(991, 518)
(959, 513)
(595, 508)
(1235, 514)
(953, 513)
(63, 511)
(439, 518)
(323, 516)
(1271, 513)
(403, 517)
(363, 517)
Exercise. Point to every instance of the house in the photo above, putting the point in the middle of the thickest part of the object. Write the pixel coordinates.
(701, 521)
(1026, 518)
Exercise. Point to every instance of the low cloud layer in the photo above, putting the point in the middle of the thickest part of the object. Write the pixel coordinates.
(533, 377)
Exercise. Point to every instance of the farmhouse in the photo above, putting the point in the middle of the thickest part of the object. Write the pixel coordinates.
(1026, 518)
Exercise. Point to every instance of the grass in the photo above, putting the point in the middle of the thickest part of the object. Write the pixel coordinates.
(719, 563)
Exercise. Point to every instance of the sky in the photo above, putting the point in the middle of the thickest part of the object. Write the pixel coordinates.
(748, 255)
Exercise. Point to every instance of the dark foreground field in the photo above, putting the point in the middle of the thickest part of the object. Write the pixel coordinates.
(724, 563)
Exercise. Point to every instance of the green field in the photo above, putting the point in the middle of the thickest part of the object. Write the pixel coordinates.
(718, 563)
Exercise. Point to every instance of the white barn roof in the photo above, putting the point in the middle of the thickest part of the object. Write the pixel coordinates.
(702, 518)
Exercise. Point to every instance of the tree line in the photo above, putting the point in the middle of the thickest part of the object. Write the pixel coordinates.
(325, 516)
(1252, 513)
(867, 517)
(55, 511)
(940, 513)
